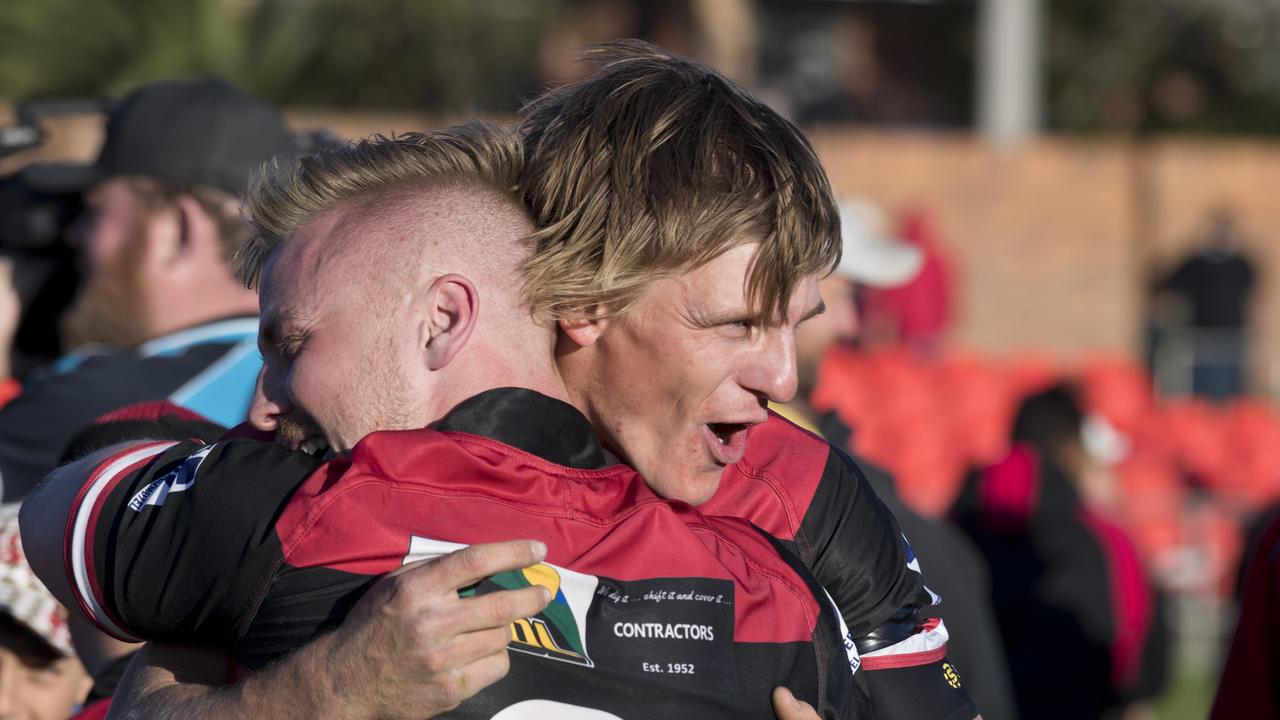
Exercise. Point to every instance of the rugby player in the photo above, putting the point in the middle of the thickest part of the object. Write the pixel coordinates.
(724, 169)
(649, 167)
(380, 252)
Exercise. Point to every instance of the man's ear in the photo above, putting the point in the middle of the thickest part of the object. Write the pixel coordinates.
(451, 305)
(584, 327)
(183, 236)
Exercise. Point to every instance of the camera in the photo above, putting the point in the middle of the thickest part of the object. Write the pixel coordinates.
(33, 226)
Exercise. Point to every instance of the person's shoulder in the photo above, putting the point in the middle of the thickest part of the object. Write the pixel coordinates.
(761, 567)
(775, 482)
(424, 455)
(88, 362)
(783, 446)
(118, 373)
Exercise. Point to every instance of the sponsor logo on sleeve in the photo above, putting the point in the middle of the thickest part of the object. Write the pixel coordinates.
(175, 481)
(850, 647)
(951, 676)
(913, 564)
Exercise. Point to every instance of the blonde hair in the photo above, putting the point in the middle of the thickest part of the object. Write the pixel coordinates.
(655, 165)
(289, 193)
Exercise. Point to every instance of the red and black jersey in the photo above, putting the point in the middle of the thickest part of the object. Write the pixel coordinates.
(814, 498)
(658, 610)
(807, 493)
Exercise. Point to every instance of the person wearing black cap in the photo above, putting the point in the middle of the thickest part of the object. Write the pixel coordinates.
(161, 316)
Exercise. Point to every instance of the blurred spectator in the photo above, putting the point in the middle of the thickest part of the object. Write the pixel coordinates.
(1252, 533)
(1216, 283)
(10, 314)
(161, 315)
(917, 313)
(40, 677)
(1250, 684)
(1082, 626)
(952, 566)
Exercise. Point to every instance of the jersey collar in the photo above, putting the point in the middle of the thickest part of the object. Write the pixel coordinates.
(231, 330)
(530, 421)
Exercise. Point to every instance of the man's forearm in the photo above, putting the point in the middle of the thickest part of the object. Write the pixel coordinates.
(410, 649)
(170, 683)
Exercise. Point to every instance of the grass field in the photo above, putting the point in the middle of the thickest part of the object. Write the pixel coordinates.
(1188, 697)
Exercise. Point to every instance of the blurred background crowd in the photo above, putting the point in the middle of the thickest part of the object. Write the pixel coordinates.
(1063, 212)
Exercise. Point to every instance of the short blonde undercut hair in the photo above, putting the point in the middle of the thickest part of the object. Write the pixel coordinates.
(655, 165)
(290, 192)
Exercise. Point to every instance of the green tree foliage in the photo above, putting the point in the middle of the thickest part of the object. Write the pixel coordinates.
(1164, 65)
(435, 55)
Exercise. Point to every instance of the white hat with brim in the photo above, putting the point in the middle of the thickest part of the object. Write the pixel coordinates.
(871, 255)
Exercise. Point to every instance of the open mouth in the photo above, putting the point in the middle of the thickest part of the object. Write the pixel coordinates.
(726, 431)
(727, 441)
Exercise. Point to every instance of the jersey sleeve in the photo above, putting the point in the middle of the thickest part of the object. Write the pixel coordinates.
(860, 555)
(176, 542)
(865, 562)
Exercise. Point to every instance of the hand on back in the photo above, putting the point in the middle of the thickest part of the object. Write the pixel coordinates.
(413, 648)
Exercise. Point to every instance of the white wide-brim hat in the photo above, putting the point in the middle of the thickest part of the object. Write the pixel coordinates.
(872, 256)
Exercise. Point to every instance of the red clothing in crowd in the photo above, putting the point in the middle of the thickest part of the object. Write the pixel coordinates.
(920, 310)
(1251, 678)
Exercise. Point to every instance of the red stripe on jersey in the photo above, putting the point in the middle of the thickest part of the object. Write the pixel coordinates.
(894, 662)
(754, 489)
(466, 489)
(149, 410)
(100, 486)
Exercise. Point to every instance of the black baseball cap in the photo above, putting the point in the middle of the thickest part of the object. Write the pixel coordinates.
(203, 132)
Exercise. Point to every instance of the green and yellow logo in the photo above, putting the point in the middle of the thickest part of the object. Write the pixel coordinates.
(552, 633)
(558, 632)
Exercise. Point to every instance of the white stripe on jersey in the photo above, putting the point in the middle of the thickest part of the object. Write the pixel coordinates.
(79, 562)
(921, 642)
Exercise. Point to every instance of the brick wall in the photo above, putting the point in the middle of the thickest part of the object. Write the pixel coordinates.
(1040, 238)
(1055, 242)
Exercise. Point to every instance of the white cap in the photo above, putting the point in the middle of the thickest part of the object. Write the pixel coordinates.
(871, 255)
